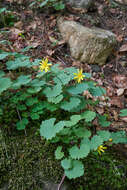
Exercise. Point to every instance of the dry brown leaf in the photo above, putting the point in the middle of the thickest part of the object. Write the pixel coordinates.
(50, 52)
(123, 48)
(120, 91)
(120, 81)
(110, 91)
(115, 114)
(123, 119)
(16, 31)
(117, 101)
(19, 25)
(34, 44)
(120, 38)
(100, 110)
(87, 94)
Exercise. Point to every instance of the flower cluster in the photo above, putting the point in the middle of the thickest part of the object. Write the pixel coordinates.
(79, 76)
(44, 65)
(101, 149)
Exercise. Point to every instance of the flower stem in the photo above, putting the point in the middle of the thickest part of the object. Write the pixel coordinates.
(62, 180)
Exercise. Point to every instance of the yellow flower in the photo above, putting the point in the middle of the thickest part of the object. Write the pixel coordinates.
(79, 76)
(101, 149)
(44, 65)
(110, 140)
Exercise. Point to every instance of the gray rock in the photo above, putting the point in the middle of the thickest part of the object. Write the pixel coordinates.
(95, 68)
(5, 187)
(84, 4)
(91, 46)
(124, 2)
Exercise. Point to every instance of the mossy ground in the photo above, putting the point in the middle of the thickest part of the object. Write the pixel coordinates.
(26, 161)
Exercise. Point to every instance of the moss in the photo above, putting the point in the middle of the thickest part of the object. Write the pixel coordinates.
(27, 160)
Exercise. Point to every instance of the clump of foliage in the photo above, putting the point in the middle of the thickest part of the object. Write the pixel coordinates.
(52, 97)
(56, 4)
(7, 18)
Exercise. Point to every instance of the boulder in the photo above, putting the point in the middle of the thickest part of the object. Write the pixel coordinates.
(84, 4)
(87, 45)
(123, 2)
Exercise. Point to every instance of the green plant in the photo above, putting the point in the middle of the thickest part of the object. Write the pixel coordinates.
(54, 99)
(7, 18)
(56, 4)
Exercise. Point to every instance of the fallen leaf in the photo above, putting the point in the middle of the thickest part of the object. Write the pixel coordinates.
(115, 115)
(100, 110)
(123, 48)
(50, 52)
(120, 81)
(16, 31)
(120, 91)
(119, 38)
(19, 25)
(110, 91)
(124, 119)
(117, 101)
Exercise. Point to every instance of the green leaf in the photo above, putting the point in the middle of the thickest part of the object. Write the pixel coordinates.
(123, 112)
(1, 111)
(82, 152)
(59, 6)
(58, 153)
(56, 100)
(73, 103)
(95, 142)
(21, 107)
(65, 132)
(53, 92)
(78, 88)
(22, 80)
(18, 62)
(86, 141)
(2, 74)
(51, 107)
(31, 101)
(3, 10)
(66, 163)
(81, 132)
(119, 137)
(22, 124)
(43, 3)
(105, 135)
(49, 130)
(23, 96)
(88, 116)
(77, 170)
(33, 90)
(34, 116)
(87, 75)
(3, 55)
(37, 83)
(63, 78)
(97, 91)
(74, 119)
(38, 107)
(81, 106)
(5, 83)
(55, 69)
(103, 121)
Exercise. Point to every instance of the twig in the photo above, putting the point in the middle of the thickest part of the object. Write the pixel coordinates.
(62, 180)
(20, 120)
